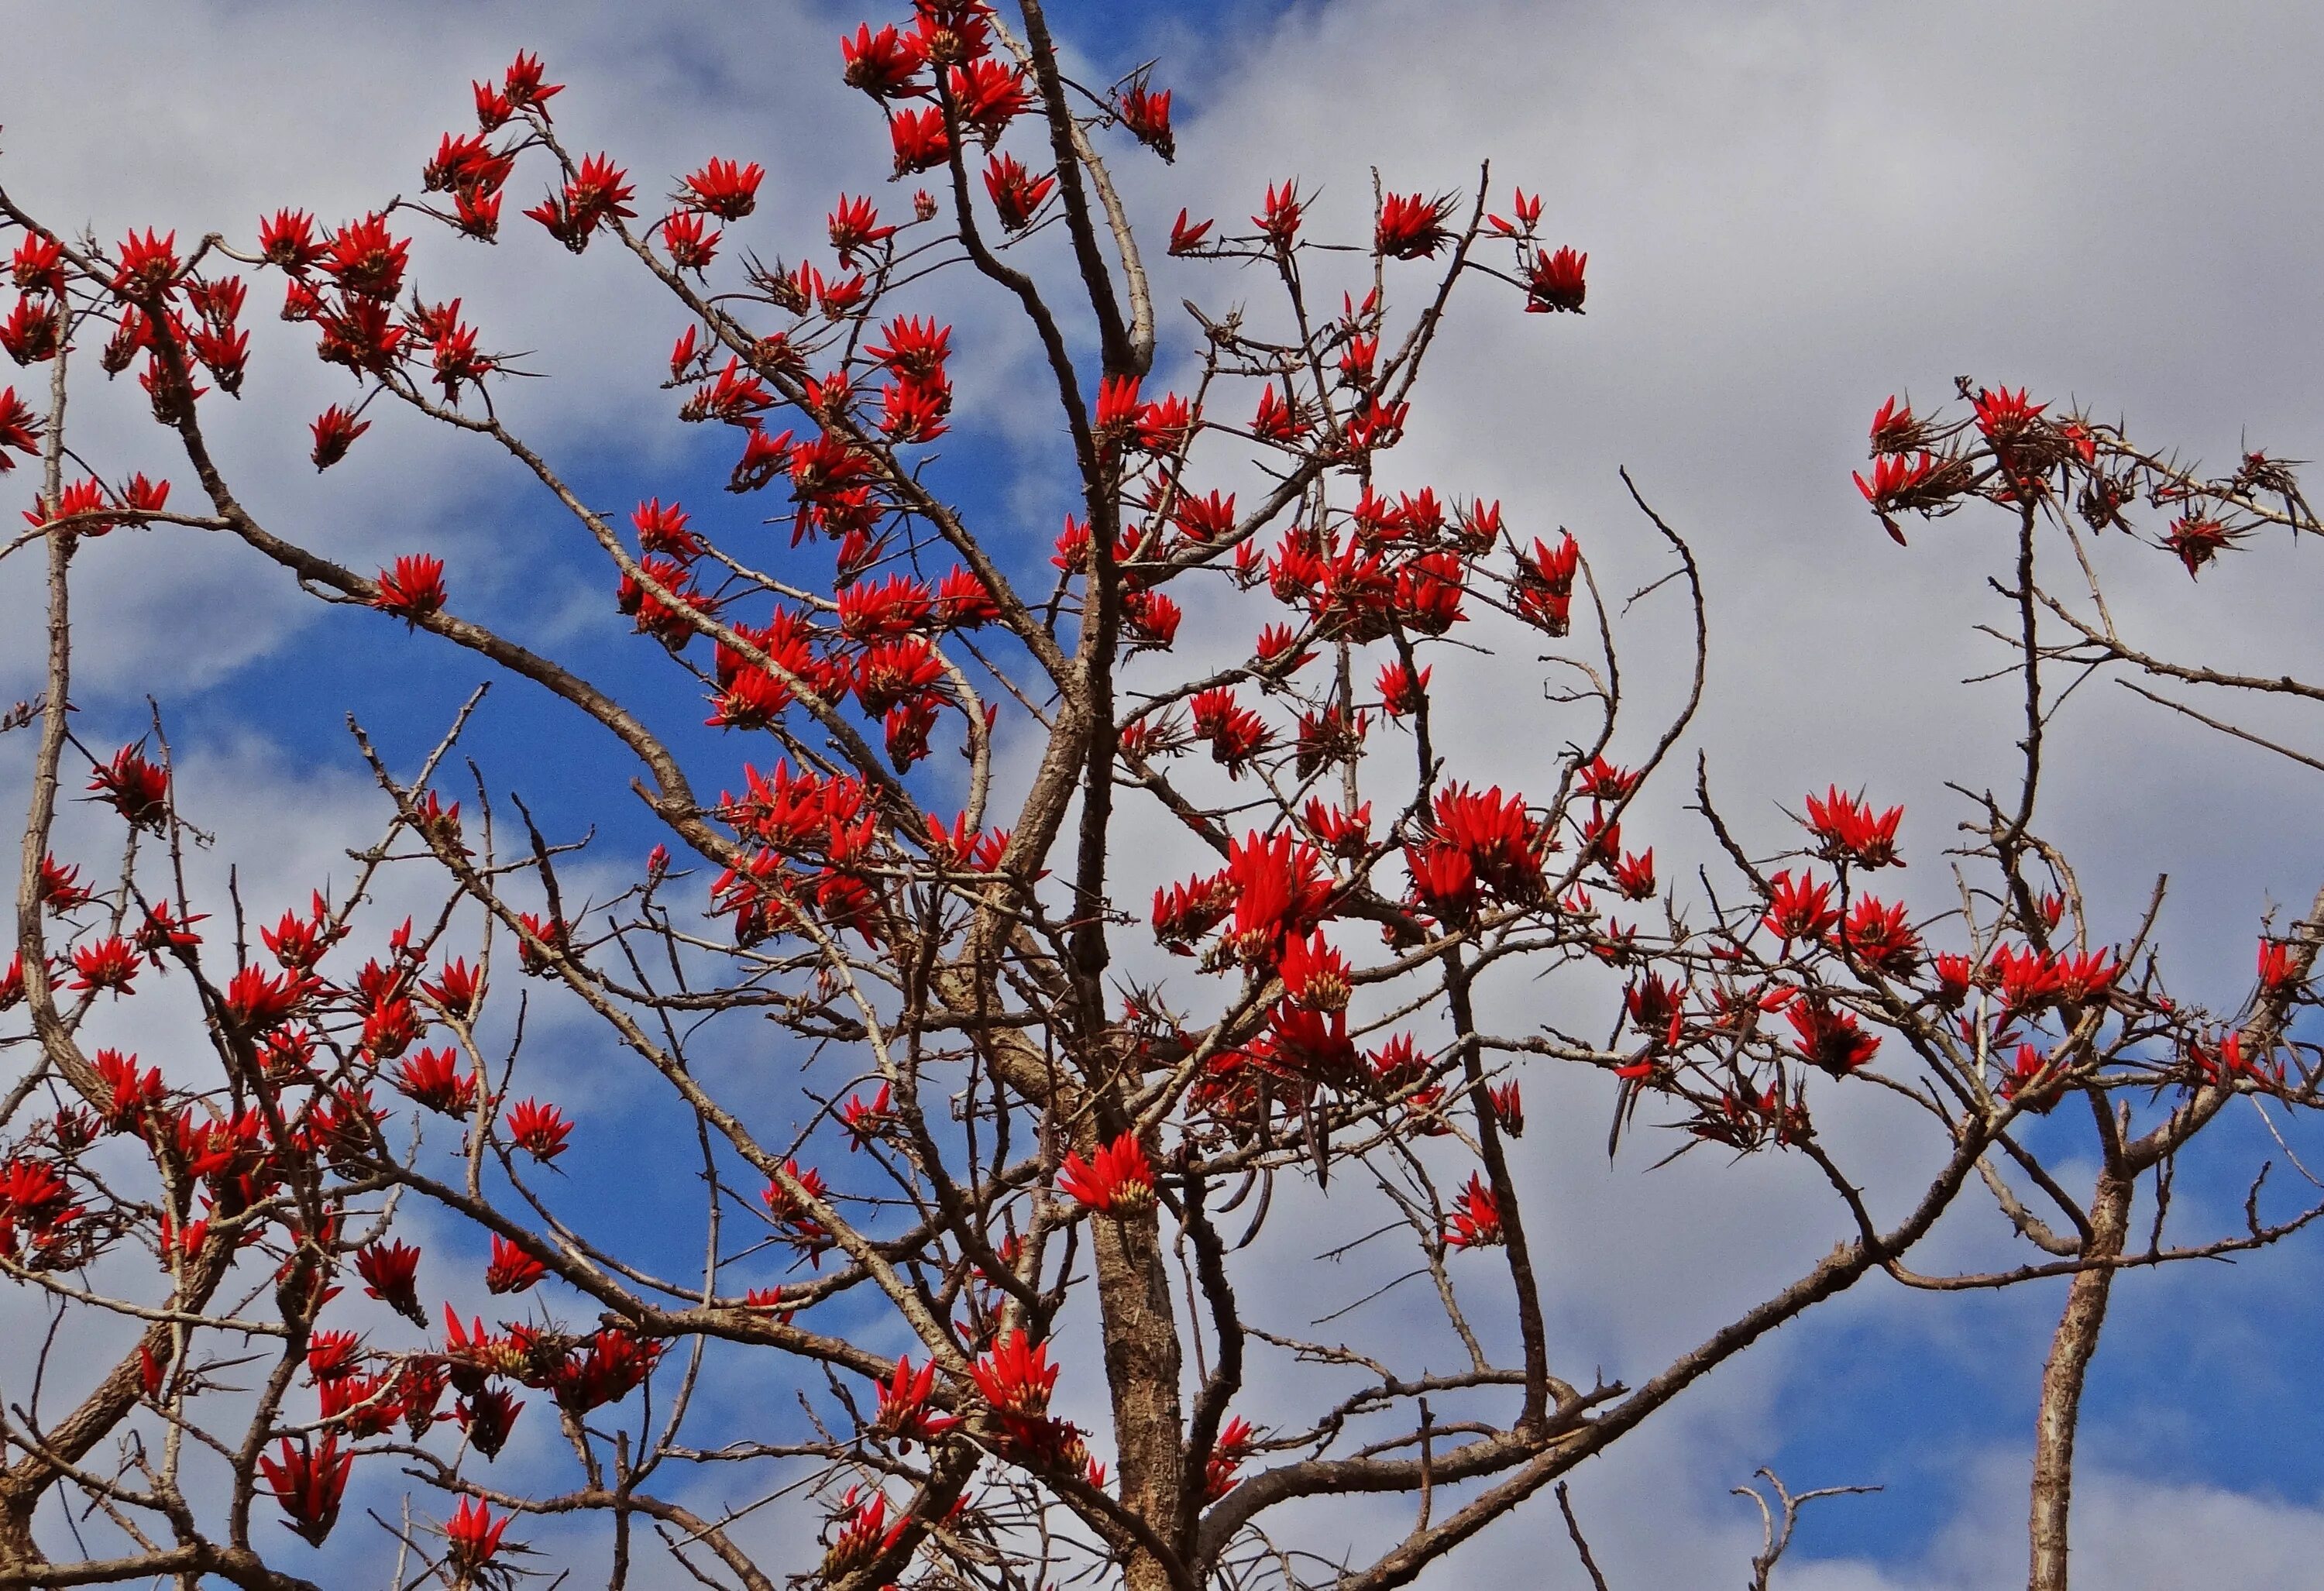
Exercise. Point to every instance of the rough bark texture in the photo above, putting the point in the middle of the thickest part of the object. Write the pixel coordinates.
(1141, 1369)
(2070, 1350)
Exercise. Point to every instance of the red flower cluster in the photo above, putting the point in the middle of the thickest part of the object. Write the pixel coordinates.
(598, 192)
(1117, 1180)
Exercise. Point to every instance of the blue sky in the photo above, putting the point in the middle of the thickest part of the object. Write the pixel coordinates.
(1791, 211)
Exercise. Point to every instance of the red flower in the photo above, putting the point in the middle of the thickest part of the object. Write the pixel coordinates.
(865, 1122)
(1118, 409)
(2003, 414)
(1342, 833)
(1401, 690)
(1377, 425)
(1163, 426)
(308, 1483)
(478, 213)
(898, 605)
(334, 430)
(1411, 227)
(60, 887)
(1278, 219)
(287, 238)
(19, 428)
(38, 265)
(1799, 908)
(2276, 971)
(413, 590)
(255, 1003)
(1150, 620)
(1476, 1217)
(12, 983)
(1897, 482)
(133, 1093)
(1236, 733)
(691, 247)
(1227, 1454)
(725, 189)
(1117, 1180)
(488, 1417)
(884, 64)
(521, 83)
(989, 95)
(1147, 115)
(30, 334)
(664, 530)
(472, 1535)
(149, 265)
(854, 224)
(107, 963)
(863, 1538)
(1015, 1376)
(1556, 282)
(465, 165)
(904, 1412)
(735, 396)
(1953, 974)
(433, 1078)
(594, 193)
(1846, 830)
(134, 787)
(781, 1206)
(1602, 780)
(1894, 430)
(539, 1130)
(1878, 936)
(1527, 211)
(2198, 540)
(1315, 975)
(82, 502)
(390, 1273)
(334, 1356)
(1829, 1039)
(365, 259)
(457, 992)
(512, 1269)
(895, 671)
(1016, 192)
(2026, 1083)
(365, 1405)
(613, 1366)
(1634, 876)
(1509, 1109)
(913, 412)
(1187, 237)
(390, 1028)
(549, 932)
(143, 496)
(33, 1193)
(921, 143)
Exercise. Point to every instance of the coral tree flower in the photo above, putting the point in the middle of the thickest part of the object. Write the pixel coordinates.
(308, 1483)
(1117, 1180)
(1556, 282)
(413, 590)
(1015, 1376)
(472, 1536)
(1476, 1217)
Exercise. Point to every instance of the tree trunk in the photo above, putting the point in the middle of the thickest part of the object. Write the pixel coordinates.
(2070, 1349)
(1141, 1369)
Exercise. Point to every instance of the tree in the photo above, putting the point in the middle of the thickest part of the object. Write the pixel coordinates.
(1027, 1142)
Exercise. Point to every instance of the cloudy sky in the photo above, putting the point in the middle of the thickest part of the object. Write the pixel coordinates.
(1791, 211)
